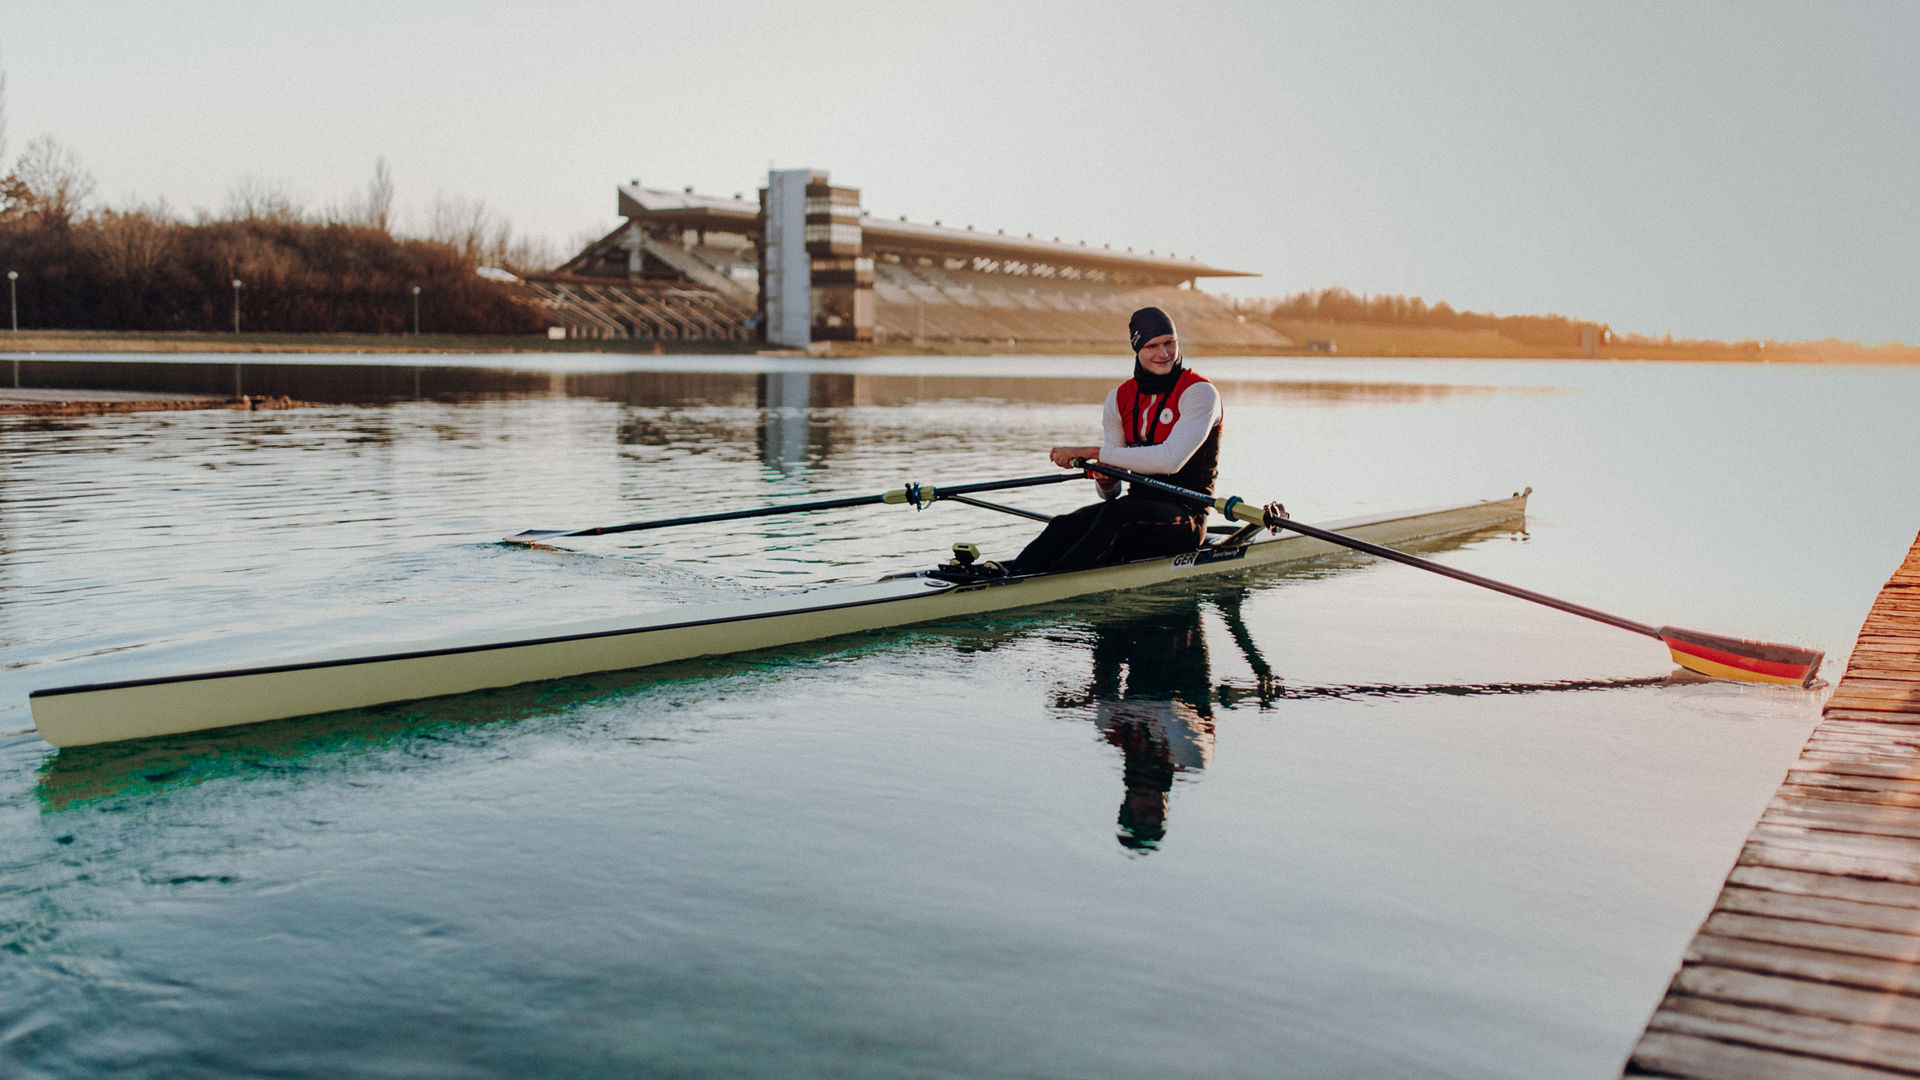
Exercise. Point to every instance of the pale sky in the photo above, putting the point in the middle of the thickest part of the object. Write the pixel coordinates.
(1724, 170)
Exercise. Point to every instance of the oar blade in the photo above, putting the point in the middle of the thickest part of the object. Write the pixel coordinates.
(1741, 660)
(533, 536)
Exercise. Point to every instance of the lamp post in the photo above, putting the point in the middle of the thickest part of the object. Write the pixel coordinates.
(416, 311)
(13, 297)
(236, 307)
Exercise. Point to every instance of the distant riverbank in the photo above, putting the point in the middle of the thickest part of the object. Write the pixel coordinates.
(1342, 339)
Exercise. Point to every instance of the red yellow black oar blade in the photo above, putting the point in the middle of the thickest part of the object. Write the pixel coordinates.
(1741, 660)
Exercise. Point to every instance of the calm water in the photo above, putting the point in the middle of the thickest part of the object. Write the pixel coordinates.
(1466, 837)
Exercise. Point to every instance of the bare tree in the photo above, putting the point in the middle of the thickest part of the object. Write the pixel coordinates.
(134, 247)
(255, 198)
(50, 183)
(380, 195)
(464, 224)
(484, 238)
(527, 255)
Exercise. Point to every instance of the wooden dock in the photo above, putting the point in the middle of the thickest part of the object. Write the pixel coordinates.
(1809, 965)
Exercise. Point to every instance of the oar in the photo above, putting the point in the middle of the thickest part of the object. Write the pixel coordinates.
(1709, 654)
(916, 495)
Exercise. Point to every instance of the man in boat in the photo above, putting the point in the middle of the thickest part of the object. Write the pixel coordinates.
(1165, 422)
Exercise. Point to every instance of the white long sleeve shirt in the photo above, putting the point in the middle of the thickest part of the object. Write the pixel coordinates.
(1199, 412)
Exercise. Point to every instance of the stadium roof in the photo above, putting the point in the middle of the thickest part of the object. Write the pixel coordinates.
(688, 210)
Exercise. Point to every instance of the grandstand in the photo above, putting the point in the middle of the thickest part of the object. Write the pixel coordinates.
(686, 266)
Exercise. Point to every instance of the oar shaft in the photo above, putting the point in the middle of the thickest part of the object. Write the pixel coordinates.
(1242, 511)
(731, 515)
(1470, 578)
(917, 494)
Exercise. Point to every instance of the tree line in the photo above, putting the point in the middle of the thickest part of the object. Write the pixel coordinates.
(340, 270)
(1338, 305)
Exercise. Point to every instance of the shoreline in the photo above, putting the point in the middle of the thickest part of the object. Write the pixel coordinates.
(1364, 342)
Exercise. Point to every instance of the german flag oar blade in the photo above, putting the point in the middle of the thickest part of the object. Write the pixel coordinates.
(1742, 660)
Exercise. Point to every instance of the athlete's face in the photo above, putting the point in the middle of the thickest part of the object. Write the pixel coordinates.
(1160, 354)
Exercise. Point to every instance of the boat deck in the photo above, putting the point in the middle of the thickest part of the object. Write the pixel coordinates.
(1809, 965)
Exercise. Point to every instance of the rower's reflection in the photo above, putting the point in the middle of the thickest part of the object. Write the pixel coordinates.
(1152, 697)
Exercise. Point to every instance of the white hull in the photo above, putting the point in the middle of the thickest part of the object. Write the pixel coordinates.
(167, 705)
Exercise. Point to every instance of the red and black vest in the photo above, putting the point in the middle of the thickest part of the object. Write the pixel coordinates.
(1147, 419)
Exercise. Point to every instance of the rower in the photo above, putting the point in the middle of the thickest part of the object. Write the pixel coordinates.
(1165, 421)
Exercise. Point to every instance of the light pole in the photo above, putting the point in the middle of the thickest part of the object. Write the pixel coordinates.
(236, 307)
(416, 311)
(13, 297)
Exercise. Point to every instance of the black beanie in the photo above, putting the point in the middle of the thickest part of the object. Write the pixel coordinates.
(1148, 323)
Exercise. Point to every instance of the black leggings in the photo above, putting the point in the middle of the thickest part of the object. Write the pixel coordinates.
(1129, 527)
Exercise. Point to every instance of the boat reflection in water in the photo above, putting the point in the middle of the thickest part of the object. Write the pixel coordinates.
(1152, 696)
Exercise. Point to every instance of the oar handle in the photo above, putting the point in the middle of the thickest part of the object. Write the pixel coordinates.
(1240, 510)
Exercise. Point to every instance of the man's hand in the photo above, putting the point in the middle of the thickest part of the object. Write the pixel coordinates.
(1063, 455)
(1274, 510)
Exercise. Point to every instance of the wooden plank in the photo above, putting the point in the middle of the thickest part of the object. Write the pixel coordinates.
(1824, 910)
(1842, 781)
(1796, 1033)
(1844, 817)
(1873, 847)
(1878, 944)
(1881, 671)
(1853, 759)
(1859, 765)
(1821, 779)
(1791, 793)
(1891, 741)
(1799, 995)
(1880, 713)
(1887, 744)
(1888, 768)
(1875, 688)
(1800, 962)
(1867, 685)
(1837, 886)
(1869, 723)
(1667, 1053)
(1876, 698)
(1878, 692)
(1850, 742)
(1819, 858)
(1896, 653)
(1877, 735)
(1875, 723)
(1885, 670)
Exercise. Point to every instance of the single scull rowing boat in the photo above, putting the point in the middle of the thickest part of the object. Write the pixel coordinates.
(172, 704)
